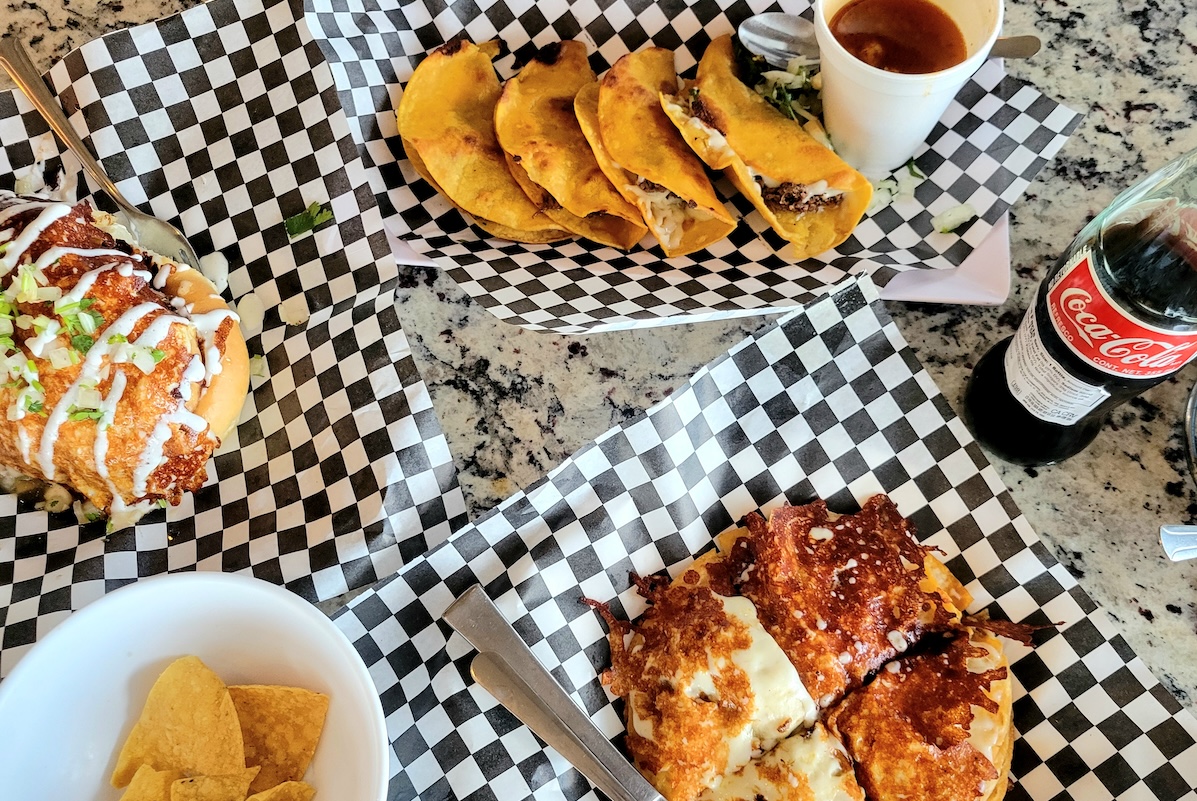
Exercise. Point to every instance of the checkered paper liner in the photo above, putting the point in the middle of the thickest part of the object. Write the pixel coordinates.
(226, 119)
(830, 402)
(994, 139)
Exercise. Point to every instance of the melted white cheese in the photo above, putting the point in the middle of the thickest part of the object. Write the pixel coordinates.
(666, 213)
(780, 702)
(813, 760)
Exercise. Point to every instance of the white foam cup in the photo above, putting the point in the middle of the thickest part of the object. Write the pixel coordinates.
(877, 119)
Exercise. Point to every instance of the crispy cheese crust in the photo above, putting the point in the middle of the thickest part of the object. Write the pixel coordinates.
(842, 595)
(863, 613)
(934, 726)
(679, 739)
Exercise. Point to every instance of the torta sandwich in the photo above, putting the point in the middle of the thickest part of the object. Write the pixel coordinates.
(124, 369)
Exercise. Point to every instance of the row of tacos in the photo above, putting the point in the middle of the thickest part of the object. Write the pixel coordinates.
(555, 152)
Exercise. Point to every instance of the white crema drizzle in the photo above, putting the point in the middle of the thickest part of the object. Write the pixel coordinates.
(50, 213)
(206, 326)
(90, 373)
(107, 413)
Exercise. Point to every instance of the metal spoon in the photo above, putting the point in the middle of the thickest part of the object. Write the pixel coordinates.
(508, 670)
(150, 232)
(778, 37)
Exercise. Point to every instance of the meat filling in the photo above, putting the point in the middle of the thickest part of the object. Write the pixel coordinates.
(796, 198)
(646, 185)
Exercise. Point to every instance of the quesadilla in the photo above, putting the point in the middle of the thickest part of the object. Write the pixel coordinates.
(708, 692)
(816, 657)
(843, 595)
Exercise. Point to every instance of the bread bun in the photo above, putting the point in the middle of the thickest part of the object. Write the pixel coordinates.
(221, 401)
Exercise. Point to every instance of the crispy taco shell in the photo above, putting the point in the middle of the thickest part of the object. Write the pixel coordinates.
(549, 156)
(807, 193)
(667, 182)
(446, 121)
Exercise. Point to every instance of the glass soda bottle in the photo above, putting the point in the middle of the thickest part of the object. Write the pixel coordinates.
(1116, 315)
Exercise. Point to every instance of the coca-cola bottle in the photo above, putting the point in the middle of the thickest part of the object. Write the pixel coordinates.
(1116, 315)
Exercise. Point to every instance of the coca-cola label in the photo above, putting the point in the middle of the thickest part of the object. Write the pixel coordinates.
(1097, 330)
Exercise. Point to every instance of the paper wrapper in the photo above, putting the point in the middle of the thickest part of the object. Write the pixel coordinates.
(828, 403)
(994, 139)
(225, 118)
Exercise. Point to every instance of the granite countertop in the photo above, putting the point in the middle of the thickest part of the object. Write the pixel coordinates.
(514, 404)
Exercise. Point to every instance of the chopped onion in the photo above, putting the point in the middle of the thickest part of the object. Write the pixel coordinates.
(947, 221)
(258, 367)
(86, 512)
(252, 312)
(143, 359)
(57, 498)
(60, 358)
(818, 133)
(294, 311)
(88, 398)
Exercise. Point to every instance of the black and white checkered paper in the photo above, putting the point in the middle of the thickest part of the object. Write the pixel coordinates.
(828, 403)
(997, 135)
(226, 119)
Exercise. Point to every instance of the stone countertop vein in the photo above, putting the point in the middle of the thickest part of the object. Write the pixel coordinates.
(514, 404)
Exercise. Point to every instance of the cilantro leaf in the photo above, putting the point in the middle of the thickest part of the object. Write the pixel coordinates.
(315, 214)
(82, 342)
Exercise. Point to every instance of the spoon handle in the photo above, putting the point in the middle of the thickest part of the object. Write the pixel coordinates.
(508, 669)
(1015, 47)
(15, 61)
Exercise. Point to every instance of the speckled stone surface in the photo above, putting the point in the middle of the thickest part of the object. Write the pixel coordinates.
(514, 404)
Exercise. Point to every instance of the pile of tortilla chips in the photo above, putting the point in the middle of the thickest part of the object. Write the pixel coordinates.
(556, 152)
(198, 740)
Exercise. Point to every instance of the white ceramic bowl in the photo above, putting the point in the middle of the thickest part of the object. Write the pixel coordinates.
(68, 705)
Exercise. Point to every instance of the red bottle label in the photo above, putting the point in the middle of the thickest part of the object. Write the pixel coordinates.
(1096, 329)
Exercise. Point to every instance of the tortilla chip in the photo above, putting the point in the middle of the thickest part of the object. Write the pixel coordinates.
(734, 129)
(638, 136)
(446, 116)
(281, 727)
(150, 785)
(188, 724)
(548, 155)
(231, 787)
(287, 791)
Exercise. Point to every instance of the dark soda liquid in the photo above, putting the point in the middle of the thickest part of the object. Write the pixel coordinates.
(1150, 271)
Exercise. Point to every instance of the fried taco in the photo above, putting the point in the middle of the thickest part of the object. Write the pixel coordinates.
(647, 160)
(549, 156)
(807, 193)
(446, 122)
